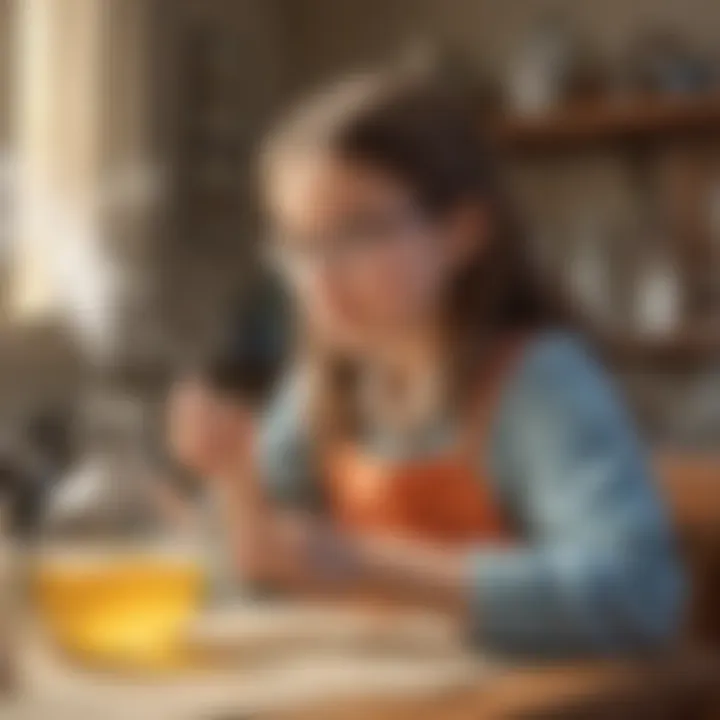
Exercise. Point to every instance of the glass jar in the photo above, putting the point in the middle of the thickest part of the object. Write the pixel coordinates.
(113, 584)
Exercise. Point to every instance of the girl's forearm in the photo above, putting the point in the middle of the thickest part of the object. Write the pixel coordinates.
(306, 557)
(245, 516)
(324, 562)
(414, 574)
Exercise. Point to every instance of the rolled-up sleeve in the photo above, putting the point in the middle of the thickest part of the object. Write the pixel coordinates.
(598, 572)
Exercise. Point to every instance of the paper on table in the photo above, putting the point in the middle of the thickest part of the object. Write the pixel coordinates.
(330, 670)
(261, 631)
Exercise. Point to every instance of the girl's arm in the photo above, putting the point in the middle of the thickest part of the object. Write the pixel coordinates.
(299, 550)
(302, 554)
(598, 572)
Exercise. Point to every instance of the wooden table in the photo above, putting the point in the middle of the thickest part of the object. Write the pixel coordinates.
(686, 686)
(51, 685)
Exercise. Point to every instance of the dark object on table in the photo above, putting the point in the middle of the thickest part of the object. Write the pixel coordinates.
(31, 465)
(51, 436)
(24, 489)
(249, 357)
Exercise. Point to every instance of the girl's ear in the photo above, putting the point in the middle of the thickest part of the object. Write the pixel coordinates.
(467, 231)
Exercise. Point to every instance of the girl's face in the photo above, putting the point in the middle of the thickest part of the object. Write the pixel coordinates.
(363, 259)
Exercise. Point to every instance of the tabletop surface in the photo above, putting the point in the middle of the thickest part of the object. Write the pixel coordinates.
(432, 691)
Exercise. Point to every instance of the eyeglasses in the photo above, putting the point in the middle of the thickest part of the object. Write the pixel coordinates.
(358, 240)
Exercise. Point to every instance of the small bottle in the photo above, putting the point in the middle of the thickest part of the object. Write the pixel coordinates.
(658, 292)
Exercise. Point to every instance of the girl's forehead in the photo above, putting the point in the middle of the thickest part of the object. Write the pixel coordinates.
(322, 188)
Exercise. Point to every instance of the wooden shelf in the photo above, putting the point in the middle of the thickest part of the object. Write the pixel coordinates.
(681, 348)
(608, 121)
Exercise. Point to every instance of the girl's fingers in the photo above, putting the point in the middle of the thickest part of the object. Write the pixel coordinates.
(207, 433)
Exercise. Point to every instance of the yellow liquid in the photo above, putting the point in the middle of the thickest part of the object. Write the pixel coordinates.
(120, 611)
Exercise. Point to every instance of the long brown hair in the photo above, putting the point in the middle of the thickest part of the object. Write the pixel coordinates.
(429, 138)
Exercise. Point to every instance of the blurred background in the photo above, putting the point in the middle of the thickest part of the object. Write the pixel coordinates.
(128, 217)
(128, 132)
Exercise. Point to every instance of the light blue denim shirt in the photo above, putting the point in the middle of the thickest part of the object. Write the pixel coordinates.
(596, 570)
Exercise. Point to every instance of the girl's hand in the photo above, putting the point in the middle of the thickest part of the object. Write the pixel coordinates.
(209, 434)
(275, 548)
(214, 437)
(298, 552)
(307, 556)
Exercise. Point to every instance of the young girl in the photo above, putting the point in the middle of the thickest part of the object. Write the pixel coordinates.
(442, 440)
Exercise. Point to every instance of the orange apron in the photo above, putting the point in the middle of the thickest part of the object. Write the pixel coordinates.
(446, 500)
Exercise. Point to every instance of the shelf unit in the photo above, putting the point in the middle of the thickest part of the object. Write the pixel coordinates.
(611, 121)
(632, 126)
(686, 346)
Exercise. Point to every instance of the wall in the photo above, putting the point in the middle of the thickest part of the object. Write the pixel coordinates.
(332, 38)
(196, 277)
(122, 117)
(5, 36)
(346, 33)
(6, 18)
